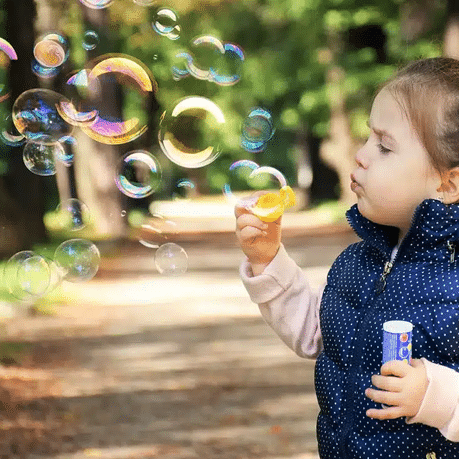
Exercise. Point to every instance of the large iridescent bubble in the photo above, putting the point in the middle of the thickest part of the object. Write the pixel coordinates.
(126, 75)
(190, 133)
(35, 116)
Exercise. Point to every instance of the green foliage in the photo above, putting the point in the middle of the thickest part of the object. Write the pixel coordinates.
(286, 48)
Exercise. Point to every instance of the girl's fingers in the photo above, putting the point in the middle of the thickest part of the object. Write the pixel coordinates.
(392, 412)
(382, 396)
(251, 220)
(249, 233)
(389, 383)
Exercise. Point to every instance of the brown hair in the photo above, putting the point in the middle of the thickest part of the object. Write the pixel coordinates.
(428, 92)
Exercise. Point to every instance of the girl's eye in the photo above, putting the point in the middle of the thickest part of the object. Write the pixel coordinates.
(382, 149)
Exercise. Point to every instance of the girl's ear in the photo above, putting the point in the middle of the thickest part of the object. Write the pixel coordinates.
(450, 186)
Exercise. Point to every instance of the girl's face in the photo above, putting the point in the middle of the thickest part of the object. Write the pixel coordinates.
(394, 173)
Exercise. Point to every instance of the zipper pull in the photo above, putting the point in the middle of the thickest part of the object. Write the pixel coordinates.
(452, 249)
(381, 282)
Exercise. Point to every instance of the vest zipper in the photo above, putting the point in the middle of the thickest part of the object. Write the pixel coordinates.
(452, 250)
(381, 283)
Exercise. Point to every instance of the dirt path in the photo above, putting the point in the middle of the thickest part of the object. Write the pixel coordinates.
(164, 367)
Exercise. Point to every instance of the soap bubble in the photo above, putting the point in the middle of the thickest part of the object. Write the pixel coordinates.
(138, 174)
(34, 275)
(190, 133)
(171, 259)
(208, 50)
(136, 83)
(239, 178)
(96, 4)
(257, 130)
(6, 47)
(229, 71)
(51, 50)
(40, 158)
(72, 214)
(212, 60)
(77, 259)
(36, 117)
(267, 178)
(184, 189)
(44, 72)
(165, 23)
(27, 275)
(90, 40)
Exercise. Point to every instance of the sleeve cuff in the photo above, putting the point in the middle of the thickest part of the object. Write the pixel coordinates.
(441, 398)
(275, 279)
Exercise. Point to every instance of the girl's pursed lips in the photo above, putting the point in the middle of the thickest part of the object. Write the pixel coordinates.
(354, 183)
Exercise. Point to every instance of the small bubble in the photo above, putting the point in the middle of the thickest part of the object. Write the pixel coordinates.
(51, 50)
(27, 275)
(40, 158)
(90, 40)
(77, 259)
(184, 189)
(171, 259)
(257, 130)
(165, 23)
(72, 214)
(138, 174)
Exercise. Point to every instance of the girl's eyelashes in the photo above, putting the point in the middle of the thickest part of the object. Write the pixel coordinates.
(383, 149)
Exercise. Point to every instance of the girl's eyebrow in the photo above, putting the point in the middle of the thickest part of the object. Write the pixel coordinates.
(381, 132)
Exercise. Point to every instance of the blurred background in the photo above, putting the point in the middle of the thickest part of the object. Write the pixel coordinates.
(128, 130)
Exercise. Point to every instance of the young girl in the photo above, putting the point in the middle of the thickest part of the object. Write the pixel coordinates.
(406, 182)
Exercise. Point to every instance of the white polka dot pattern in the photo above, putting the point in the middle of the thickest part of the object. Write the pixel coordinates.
(422, 288)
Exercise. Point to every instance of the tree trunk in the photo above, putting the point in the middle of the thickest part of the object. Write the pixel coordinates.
(96, 163)
(339, 149)
(22, 192)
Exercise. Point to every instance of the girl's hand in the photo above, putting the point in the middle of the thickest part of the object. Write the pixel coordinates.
(404, 391)
(259, 241)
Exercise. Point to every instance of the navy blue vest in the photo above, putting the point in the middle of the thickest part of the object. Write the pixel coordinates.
(422, 288)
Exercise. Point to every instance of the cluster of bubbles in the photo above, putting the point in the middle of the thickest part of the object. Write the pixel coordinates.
(166, 24)
(43, 122)
(211, 60)
(28, 275)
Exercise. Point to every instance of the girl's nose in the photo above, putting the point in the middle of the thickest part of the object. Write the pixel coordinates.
(361, 158)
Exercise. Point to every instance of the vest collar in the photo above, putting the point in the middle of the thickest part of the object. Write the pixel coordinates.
(433, 222)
